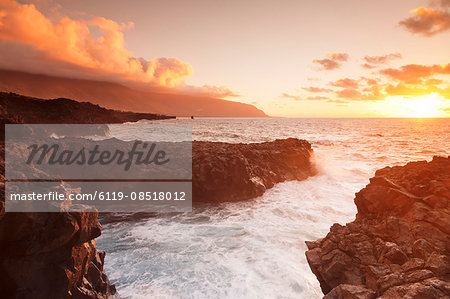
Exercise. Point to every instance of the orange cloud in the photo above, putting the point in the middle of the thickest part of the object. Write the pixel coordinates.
(333, 61)
(345, 83)
(317, 98)
(407, 80)
(316, 89)
(362, 89)
(370, 81)
(349, 94)
(338, 56)
(211, 90)
(433, 81)
(368, 66)
(328, 64)
(300, 98)
(428, 21)
(401, 89)
(414, 73)
(375, 61)
(292, 97)
(312, 98)
(71, 42)
(367, 94)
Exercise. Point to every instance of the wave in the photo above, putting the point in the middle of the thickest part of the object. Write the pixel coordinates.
(256, 248)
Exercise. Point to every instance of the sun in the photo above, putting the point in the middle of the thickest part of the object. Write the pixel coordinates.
(418, 106)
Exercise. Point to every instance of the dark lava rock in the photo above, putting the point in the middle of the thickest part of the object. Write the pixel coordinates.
(232, 172)
(399, 244)
(52, 255)
(64, 111)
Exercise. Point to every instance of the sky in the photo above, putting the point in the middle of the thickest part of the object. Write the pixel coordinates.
(322, 58)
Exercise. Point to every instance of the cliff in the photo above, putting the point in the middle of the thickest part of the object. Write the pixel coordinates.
(233, 172)
(52, 255)
(120, 97)
(399, 244)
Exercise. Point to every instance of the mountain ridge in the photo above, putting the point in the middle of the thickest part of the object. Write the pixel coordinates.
(120, 97)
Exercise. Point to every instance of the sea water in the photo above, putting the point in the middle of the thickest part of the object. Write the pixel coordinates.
(256, 249)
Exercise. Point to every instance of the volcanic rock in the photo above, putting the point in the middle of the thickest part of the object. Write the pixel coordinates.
(399, 244)
(232, 172)
(52, 255)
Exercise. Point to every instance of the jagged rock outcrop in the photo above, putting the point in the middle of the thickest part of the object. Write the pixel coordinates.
(232, 172)
(52, 255)
(399, 244)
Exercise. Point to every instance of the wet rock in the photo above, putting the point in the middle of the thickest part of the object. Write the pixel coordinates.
(232, 172)
(51, 255)
(399, 243)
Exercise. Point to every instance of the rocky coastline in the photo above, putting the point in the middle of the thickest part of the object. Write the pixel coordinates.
(53, 255)
(16, 108)
(397, 247)
(50, 255)
(399, 244)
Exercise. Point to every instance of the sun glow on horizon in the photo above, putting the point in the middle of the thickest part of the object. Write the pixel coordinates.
(423, 106)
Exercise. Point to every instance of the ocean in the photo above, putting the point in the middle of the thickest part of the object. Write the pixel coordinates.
(256, 249)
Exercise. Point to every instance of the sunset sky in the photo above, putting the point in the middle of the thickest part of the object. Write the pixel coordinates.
(334, 58)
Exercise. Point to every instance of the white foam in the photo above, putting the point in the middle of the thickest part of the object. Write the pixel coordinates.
(255, 249)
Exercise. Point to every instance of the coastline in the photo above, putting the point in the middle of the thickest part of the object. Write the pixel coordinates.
(66, 249)
(234, 165)
(398, 244)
